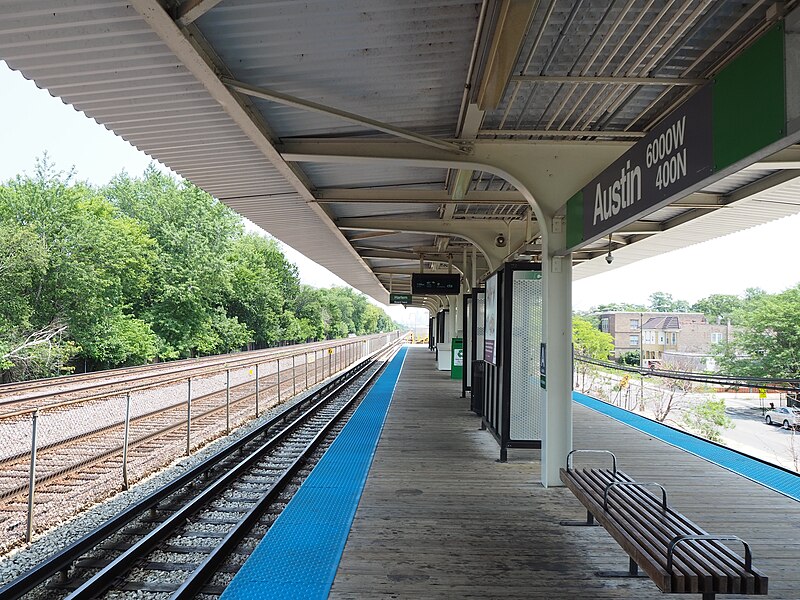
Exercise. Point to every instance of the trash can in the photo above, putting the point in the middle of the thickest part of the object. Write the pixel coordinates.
(443, 360)
(457, 358)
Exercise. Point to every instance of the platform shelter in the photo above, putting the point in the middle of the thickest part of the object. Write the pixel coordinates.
(392, 139)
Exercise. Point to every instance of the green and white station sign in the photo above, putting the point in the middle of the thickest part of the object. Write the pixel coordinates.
(750, 110)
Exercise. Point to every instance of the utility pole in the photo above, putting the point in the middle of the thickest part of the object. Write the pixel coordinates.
(641, 361)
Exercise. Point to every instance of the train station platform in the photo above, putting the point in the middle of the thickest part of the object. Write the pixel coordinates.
(439, 517)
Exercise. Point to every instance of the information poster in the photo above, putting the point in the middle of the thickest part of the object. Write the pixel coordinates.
(490, 326)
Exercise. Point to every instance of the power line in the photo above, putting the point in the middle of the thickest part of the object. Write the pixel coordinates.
(769, 383)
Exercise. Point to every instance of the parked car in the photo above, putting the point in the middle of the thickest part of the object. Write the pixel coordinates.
(788, 417)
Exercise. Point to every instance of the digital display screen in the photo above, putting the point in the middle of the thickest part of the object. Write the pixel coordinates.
(436, 283)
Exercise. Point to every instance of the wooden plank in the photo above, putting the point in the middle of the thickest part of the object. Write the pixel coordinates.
(441, 518)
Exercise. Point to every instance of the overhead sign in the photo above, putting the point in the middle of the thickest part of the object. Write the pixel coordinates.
(436, 283)
(399, 298)
(674, 156)
(744, 114)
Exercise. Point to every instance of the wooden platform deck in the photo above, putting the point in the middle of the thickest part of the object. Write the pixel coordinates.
(440, 518)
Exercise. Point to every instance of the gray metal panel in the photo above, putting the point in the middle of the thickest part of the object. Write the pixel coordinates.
(642, 38)
(101, 57)
(731, 183)
(301, 49)
(324, 175)
(376, 209)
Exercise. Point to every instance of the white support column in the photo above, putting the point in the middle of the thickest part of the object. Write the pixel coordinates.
(455, 317)
(557, 436)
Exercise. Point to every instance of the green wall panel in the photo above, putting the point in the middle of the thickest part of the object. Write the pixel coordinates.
(575, 220)
(749, 101)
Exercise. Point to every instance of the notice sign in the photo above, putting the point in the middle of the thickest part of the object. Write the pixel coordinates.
(675, 155)
(458, 357)
(399, 298)
(748, 111)
(490, 323)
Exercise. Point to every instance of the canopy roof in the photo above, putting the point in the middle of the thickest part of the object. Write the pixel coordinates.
(219, 91)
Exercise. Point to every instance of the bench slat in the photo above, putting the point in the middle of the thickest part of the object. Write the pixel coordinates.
(630, 525)
(637, 522)
(636, 551)
(727, 566)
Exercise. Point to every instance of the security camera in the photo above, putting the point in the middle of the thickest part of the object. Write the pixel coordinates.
(500, 240)
(609, 258)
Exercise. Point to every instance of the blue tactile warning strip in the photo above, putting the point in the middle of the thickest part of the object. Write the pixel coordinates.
(300, 554)
(771, 476)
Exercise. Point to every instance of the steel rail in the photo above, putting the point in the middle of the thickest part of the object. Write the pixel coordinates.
(138, 419)
(219, 554)
(96, 459)
(58, 379)
(165, 369)
(62, 560)
(173, 377)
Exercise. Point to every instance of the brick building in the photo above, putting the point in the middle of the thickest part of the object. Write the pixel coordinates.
(683, 340)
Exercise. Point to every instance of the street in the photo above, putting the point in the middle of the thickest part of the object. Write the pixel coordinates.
(754, 437)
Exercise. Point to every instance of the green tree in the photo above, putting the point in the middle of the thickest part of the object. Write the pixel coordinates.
(718, 305)
(767, 343)
(708, 419)
(619, 307)
(263, 286)
(147, 267)
(192, 279)
(26, 350)
(97, 260)
(664, 302)
(630, 358)
(590, 341)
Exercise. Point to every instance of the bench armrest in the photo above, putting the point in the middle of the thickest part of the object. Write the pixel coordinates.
(613, 458)
(748, 556)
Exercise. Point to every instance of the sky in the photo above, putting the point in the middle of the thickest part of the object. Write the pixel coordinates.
(32, 122)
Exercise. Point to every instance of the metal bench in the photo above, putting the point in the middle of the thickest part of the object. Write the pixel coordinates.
(679, 556)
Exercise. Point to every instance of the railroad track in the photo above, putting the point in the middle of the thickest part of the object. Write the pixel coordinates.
(60, 457)
(28, 395)
(190, 536)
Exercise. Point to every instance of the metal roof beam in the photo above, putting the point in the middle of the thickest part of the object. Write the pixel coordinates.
(331, 196)
(564, 133)
(700, 200)
(295, 102)
(483, 234)
(191, 10)
(762, 185)
(380, 254)
(510, 30)
(641, 228)
(407, 270)
(369, 234)
(788, 158)
(196, 55)
(590, 80)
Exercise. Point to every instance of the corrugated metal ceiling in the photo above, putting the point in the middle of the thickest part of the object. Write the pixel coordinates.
(401, 63)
